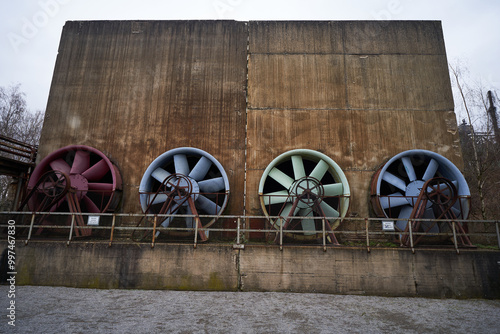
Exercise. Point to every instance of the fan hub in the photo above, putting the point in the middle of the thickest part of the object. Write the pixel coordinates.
(308, 190)
(413, 190)
(186, 187)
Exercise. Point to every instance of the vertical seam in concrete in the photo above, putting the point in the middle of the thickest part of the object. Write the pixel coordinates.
(247, 24)
(239, 283)
(348, 107)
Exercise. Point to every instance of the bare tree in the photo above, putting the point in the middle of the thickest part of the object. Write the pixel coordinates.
(18, 123)
(480, 149)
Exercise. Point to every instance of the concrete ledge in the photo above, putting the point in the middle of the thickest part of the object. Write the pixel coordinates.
(137, 266)
(382, 272)
(341, 270)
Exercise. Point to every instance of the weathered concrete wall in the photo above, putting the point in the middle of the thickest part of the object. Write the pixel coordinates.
(95, 265)
(136, 89)
(384, 272)
(358, 91)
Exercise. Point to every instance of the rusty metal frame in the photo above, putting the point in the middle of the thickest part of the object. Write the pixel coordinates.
(365, 230)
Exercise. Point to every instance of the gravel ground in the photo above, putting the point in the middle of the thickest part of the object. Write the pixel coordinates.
(68, 310)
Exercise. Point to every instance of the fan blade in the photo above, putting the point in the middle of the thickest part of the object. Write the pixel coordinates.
(429, 214)
(160, 174)
(431, 170)
(286, 213)
(96, 172)
(456, 210)
(171, 211)
(283, 179)
(212, 185)
(90, 205)
(334, 189)
(308, 225)
(211, 208)
(57, 205)
(60, 165)
(410, 171)
(394, 180)
(405, 213)
(298, 167)
(160, 198)
(328, 210)
(106, 188)
(320, 170)
(181, 164)
(276, 197)
(81, 162)
(189, 220)
(393, 200)
(201, 168)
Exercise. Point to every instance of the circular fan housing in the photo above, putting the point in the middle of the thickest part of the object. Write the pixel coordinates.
(95, 180)
(181, 170)
(397, 185)
(304, 183)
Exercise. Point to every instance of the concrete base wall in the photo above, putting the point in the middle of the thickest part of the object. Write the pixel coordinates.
(383, 271)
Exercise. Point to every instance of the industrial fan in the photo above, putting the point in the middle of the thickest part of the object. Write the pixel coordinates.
(416, 177)
(77, 179)
(301, 187)
(185, 181)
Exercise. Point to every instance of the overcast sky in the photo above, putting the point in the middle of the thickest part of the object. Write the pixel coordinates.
(30, 29)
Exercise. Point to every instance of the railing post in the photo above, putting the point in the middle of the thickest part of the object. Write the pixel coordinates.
(454, 236)
(324, 234)
(71, 228)
(411, 237)
(195, 233)
(33, 221)
(154, 232)
(112, 230)
(238, 231)
(281, 233)
(498, 234)
(367, 235)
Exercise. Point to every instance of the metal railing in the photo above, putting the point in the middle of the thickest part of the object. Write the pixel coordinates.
(367, 229)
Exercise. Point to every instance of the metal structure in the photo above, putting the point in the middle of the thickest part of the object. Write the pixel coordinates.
(184, 181)
(304, 183)
(398, 188)
(74, 179)
(439, 195)
(17, 159)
